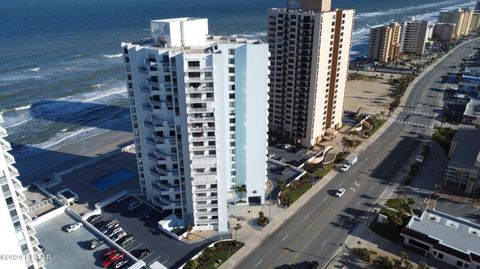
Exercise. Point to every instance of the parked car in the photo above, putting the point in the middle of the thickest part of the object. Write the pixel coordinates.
(349, 162)
(118, 236)
(109, 252)
(340, 192)
(127, 239)
(94, 218)
(119, 264)
(112, 223)
(107, 229)
(419, 159)
(73, 227)
(113, 258)
(42, 249)
(95, 243)
(141, 253)
(134, 205)
(110, 233)
(101, 224)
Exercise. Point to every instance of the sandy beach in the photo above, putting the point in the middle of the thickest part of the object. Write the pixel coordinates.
(43, 165)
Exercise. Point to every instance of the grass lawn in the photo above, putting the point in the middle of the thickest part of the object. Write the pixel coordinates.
(213, 257)
(398, 204)
(444, 137)
(377, 123)
(297, 193)
(320, 173)
(387, 230)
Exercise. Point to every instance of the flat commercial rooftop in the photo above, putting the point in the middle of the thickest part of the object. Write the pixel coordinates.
(68, 250)
(451, 231)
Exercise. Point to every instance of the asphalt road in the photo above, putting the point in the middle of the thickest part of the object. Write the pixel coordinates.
(315, 231)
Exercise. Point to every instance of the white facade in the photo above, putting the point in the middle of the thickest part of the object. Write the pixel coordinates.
(19, 246)
(414, 36)
(200, 119)
(309, 54)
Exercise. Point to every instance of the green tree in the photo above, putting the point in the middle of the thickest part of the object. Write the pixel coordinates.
(423, 266)
(403, 257)
(241, 189)
(236, 228)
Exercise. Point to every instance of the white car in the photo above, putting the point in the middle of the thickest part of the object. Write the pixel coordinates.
(340, 192)
(344, 167)
(118, 236)
(134, 205)
(419, 159)
(73, 227)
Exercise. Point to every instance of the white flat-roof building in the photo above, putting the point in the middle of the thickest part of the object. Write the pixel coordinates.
(199, 114)
(19, 245)
(309, 53)
(451, 239)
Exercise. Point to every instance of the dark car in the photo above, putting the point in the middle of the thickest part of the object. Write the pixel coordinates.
(126, 240)
(305, 265)
(141, 253)
(41, 248)
(93, 218)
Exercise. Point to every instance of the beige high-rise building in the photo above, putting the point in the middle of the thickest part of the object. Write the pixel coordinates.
(384, 44)
(475, 22)
(414, 36)
(460, 17)
(309, 57)
(443, 32)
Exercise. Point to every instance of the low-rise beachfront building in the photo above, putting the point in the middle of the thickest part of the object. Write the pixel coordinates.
(450, 239)
(414, 36)
(199, 108)
(384, 43)
(472, 112)
(463, 169)
(19, 245)
(443, 32)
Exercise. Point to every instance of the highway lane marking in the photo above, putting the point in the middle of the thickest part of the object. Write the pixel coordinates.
(324, 242)
(285, 237)
(258, 263)
(324, 199)
(358, 203)
(371, 186)
(306, 216)
(341, 183)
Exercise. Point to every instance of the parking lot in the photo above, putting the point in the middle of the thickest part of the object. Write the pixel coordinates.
(68, 250)
(171, 252)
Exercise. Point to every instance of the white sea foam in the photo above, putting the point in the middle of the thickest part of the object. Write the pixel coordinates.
(35, 69)
(109, 93)
(112, 55)
(442, 4)
(22, 107)
(18, 123)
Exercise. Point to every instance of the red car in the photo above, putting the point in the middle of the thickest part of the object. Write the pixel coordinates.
(113, 258)
(109, 253)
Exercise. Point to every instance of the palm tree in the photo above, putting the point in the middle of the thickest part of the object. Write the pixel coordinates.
(241, 189)
(236, 228)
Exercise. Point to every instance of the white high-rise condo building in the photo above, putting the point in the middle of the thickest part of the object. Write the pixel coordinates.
(414, 36)
(199, 107)
(19, 246)
(309, 54)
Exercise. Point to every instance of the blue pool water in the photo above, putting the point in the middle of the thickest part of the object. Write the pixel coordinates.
(116, 178)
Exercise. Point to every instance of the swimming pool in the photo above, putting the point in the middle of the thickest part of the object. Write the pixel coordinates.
(116, 178)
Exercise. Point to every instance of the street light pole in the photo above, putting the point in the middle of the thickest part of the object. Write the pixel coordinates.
(269, 203)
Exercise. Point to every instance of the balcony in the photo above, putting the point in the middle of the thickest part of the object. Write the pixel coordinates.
(13, 171)
(201, 129)
(143, 70)
(148, 124)
(199, 89)
(165, 202)
(199, 68)
(166, 156)
(5, 144)
(3, 132)
(162, 123)
(153, 83)
(201, 119)
(206, 221)
(207, 213)
(9, 158)
(198, 206)
(204, 198)
(147, 108)
(196, 190)
(200, 109)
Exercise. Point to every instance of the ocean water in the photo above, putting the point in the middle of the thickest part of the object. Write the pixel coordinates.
(61, 75)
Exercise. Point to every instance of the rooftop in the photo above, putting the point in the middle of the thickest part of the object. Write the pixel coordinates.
(450, 231)
(473, 108)
(464, 148)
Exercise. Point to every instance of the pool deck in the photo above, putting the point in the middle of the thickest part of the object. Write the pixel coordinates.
(79, 180)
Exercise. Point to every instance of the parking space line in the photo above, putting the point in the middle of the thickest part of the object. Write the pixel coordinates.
(324, 199)
(306, 216)
(341, 183)
(324, 242)
(285, 237)
(258, 263)
(136, 246)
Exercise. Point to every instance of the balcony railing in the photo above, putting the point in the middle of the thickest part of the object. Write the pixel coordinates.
(165, 156)
(199, 89)
(201, 119)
